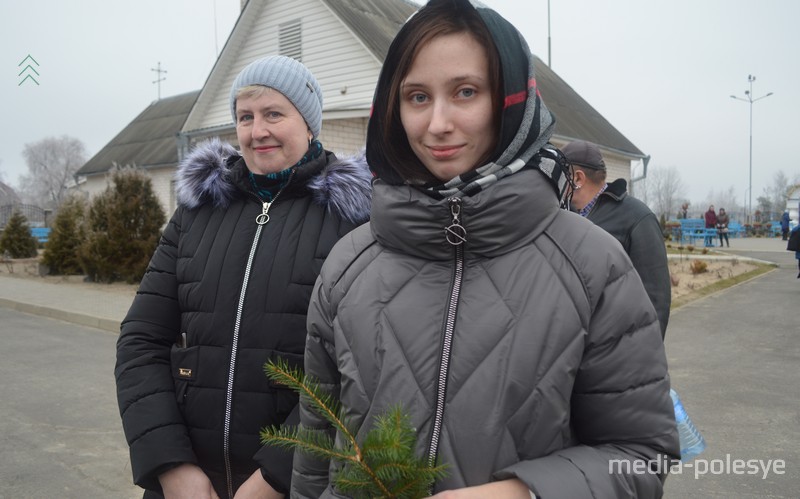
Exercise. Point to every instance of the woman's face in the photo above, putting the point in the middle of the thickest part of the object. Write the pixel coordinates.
(446, 105)
(272, 133)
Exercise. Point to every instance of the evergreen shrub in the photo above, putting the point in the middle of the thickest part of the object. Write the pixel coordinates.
(123, 227)
(17, 240)
(66, 236)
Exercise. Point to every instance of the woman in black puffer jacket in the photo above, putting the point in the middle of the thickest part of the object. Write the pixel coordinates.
(228, 288)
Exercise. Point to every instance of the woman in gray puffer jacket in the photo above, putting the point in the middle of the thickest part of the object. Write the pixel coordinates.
(516, 335)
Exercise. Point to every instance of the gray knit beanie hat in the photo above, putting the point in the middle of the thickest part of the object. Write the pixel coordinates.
(289, 77)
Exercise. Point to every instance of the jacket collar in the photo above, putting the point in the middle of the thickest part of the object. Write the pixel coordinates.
(508, 215)
(214, 173)
(617, 189)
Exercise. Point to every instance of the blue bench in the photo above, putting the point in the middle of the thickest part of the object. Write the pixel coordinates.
(775, 227)
(735, 229)
(42, 234)
(695, 228)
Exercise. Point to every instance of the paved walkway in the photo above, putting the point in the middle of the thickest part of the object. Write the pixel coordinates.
(66, 302)
(105, 310)
(733, 358)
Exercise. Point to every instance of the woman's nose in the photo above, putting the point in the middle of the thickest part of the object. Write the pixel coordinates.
(441, 119)
(260, 128)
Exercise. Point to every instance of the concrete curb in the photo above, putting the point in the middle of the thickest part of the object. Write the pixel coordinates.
(109, 325)
(719, 258)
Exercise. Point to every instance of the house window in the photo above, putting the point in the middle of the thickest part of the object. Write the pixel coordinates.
(290, 40)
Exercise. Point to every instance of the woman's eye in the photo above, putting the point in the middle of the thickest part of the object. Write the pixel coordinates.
(418, 98)
(467, 92)
(273, 115)
(245, 117)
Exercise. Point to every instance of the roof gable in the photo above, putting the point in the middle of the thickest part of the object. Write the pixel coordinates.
(149, 140)
(331, 47)
(576, 118)
(374, 22)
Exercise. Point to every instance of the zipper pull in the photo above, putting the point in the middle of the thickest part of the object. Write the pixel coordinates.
(455, 233)
(263, 217)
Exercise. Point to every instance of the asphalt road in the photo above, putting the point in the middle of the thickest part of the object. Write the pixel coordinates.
(734, 358)
(60, 431)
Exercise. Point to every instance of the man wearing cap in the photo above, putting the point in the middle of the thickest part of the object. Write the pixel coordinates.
(626, 218)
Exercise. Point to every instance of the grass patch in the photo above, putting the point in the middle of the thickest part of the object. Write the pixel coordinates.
(762, 268)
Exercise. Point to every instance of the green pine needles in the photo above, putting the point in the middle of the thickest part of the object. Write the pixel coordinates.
(383, 467)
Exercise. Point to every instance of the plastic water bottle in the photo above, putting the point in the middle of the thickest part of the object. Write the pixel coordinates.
(692, 442)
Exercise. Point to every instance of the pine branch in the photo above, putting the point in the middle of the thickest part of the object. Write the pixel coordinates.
(323, 404)
(385, 466)
(316, 443)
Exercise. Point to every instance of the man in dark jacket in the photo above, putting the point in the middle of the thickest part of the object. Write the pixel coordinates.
(626, 218)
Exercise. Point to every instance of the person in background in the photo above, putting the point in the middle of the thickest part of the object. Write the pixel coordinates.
(228, 288)
(515, 335)
(785, 220)
(626, 218)
(710, 217)
(683, 213)
(722, 227)
(794, 245)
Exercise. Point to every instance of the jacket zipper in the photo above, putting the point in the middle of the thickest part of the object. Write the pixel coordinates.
(261, 221)
(456, 236)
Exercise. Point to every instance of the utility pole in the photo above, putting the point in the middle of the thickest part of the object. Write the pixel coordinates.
(159, 79)
(549, 64)
(749, 98)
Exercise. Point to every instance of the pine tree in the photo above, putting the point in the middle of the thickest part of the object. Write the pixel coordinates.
(67, 234)
(17, 239)
(384, 466)
(124, 224)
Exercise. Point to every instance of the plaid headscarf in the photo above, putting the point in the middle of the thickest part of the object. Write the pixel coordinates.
(526, 125)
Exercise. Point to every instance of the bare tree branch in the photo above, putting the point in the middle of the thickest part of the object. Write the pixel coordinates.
(52, 162)
(664, 186)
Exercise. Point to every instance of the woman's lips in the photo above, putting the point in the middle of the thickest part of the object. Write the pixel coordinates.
(444, 152)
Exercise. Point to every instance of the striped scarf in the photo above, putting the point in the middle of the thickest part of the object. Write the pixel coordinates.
(526, 124)
(267, 186)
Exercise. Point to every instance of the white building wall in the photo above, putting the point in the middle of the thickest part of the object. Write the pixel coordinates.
(327, 47)
(161, 178)
(345, 137)
(164, 188)
(793, 205)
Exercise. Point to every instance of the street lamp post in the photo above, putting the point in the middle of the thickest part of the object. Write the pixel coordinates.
(749, 98)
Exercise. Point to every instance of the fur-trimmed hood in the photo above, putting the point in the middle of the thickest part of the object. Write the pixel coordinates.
(206, 175)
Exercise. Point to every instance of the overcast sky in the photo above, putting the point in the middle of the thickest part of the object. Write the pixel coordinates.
(662, 72)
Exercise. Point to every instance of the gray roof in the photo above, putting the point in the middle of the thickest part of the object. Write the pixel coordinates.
(576, 118)
(375, 22)
(8, 195)
(149, 140)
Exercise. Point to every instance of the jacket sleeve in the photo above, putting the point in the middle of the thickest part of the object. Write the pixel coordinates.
(151, 419)
(649, 257)
(310, 473)
(621, 411)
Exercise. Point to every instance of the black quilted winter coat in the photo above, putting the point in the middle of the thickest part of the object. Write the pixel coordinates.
(222, 295)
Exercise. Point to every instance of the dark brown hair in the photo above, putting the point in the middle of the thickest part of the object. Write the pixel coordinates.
(385, 131)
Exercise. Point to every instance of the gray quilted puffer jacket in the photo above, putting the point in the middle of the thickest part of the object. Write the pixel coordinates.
(556, 366)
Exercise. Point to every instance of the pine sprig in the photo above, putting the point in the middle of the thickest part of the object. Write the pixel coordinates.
(385, 466)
